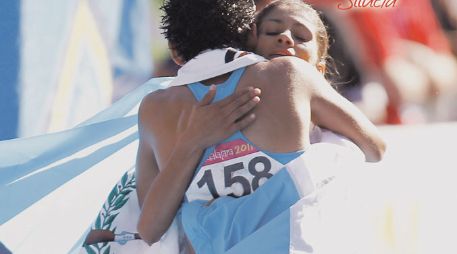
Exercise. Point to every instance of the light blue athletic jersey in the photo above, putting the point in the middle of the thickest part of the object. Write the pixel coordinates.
(234, 167)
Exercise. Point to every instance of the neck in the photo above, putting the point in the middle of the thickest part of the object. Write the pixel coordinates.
(216, 80)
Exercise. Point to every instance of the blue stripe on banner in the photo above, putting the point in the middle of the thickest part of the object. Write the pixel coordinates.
(9, 67)
(3, 249)
(17, 196)
(272, 238)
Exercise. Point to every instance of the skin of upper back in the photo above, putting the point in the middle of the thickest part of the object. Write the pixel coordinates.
(282, 116)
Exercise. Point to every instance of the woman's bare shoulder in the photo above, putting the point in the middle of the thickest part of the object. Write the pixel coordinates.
(286, 70)
(162, 107)
(288, 75)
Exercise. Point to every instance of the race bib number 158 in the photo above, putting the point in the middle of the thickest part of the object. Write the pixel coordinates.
(237, 176)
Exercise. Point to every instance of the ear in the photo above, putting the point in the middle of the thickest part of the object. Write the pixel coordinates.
(175, 55)
(252, 38)
(321, 67)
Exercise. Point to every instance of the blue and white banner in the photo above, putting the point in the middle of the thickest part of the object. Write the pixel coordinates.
(67, 60)
(53, 185)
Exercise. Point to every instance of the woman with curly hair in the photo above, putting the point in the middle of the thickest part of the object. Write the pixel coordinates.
(213, 136)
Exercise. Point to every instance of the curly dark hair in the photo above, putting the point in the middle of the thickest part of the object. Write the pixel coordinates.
(192, 26)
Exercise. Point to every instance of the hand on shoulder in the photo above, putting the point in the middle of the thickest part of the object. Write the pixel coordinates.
(196, 124)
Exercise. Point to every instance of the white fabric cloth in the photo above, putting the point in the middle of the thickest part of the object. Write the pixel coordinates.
(211, 63)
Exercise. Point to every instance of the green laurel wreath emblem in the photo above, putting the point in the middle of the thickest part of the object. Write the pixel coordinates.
(117, 198)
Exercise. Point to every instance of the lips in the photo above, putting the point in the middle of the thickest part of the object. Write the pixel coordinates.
(281, 53)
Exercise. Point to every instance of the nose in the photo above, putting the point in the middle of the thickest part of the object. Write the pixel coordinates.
(286, 38)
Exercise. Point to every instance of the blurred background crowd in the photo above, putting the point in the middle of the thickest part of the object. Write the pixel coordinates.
(63, 61)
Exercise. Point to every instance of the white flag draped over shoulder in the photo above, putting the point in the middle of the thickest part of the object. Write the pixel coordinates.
(53, 185)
